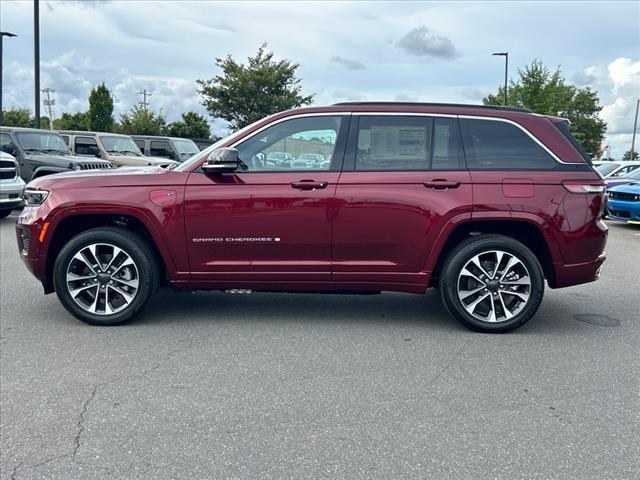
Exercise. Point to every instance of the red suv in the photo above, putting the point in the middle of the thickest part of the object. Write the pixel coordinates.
(482, 203)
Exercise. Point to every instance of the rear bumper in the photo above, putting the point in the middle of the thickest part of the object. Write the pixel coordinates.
(578, 273)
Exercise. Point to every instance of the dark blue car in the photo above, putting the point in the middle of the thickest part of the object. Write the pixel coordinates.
(623, 202)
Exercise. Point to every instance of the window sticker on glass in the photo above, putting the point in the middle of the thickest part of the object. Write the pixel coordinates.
(398, 143)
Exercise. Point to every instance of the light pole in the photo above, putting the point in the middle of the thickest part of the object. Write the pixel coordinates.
(506, 71)
(36, 58)
(2, 35)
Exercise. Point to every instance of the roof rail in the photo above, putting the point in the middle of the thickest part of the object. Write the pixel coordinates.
(428, 104)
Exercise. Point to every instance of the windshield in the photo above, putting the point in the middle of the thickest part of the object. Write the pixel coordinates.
(186, 147)
(120, 145)
(205, 153)
(42, 142)
(606, 168)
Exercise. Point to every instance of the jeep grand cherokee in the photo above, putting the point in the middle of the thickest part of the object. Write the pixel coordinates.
(483, 203)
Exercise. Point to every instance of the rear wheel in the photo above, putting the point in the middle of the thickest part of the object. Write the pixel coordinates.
(492, 283)
(106, 275)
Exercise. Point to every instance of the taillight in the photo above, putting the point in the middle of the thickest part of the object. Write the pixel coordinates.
(581, 186)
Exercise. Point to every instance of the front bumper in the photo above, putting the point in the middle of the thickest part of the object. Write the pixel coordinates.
(623, 210)
(11, 192)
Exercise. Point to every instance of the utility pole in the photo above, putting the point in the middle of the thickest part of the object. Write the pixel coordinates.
(506, 71)
(144, 103)
(36, 58)
(635, 127)
(49, 102)
(2, 35)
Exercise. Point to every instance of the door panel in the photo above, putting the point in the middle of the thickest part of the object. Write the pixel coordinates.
(407, 180)
(258, 226)
(387, 222)
(271, 220)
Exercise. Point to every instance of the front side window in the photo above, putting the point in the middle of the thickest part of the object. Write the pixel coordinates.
(411, 143)
(159, 148)
(140, 144)
(42, 142)
(86, 146)
(498, 145)
(299, 144)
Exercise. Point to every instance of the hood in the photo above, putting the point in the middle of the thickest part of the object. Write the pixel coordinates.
(136, 159)
(63, 160)
(112, 172)
(614, 182)
(633, 187)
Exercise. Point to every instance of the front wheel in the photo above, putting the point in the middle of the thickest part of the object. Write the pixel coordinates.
(492, 283)
(105, 275)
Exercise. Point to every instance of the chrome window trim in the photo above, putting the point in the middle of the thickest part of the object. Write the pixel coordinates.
(291, 117)
(404, 114)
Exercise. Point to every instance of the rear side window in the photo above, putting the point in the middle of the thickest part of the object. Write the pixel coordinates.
(498, 145)
(5, 139)
(159, 148)
(86, 145)
(565, 128)
(411, 143)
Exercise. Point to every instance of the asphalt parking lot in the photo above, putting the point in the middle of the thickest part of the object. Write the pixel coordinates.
(213, 385)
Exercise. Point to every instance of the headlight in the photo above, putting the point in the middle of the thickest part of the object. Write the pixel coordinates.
(35, 197)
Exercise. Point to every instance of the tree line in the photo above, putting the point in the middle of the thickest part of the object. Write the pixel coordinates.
(99, 117)
(244, 93)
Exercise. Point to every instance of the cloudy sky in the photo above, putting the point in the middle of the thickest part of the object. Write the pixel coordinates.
(359, 50)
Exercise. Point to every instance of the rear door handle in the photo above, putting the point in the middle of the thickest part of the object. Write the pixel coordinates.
(308, 185)
(441, 184)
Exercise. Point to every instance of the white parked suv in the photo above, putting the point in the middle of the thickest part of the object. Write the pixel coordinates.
(11, 185)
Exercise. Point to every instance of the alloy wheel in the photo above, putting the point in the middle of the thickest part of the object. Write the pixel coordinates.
(102, 279)
(494, 286)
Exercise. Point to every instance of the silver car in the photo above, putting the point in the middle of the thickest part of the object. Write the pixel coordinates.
(11, 185)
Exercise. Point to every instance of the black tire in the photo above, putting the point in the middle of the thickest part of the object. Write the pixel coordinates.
(5, 213)
(136, 248)
(452, 277)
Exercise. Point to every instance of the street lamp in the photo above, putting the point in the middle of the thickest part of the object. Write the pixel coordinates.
(2, 35)
(506, 70)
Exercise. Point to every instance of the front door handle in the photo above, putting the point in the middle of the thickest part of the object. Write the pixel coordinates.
(309, 185)
(439, 184)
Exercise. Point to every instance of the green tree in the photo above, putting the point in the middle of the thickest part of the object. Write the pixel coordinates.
(17, 117)
(21, 117)
(244, 94)
(543, 91)
(101, 109)
(627, 155)
(72, 121)
(141, 121)
(192, 125)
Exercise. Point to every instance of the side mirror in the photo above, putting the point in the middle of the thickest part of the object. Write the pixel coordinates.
(9, 148)
(95, 151)
(222, 160)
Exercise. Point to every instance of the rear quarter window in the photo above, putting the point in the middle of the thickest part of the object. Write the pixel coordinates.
(499, 145)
